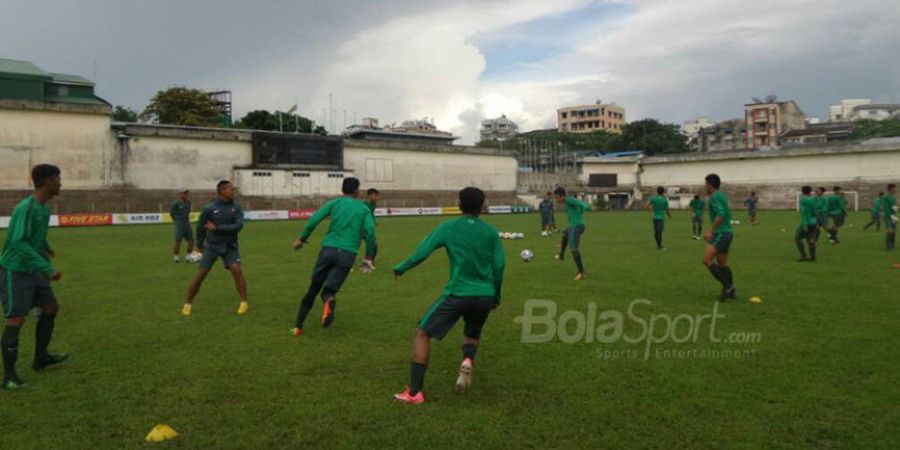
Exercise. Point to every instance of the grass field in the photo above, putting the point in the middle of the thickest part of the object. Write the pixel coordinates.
(819, 367)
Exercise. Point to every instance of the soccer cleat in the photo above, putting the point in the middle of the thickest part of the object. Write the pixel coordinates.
(464, 380)
(242, 308)
(175, 259)
(579, 276)
(13, 384)
(186, 310)
(405, 397)
(297, 332)
(49, 360)
(328, 313)
(729, 293)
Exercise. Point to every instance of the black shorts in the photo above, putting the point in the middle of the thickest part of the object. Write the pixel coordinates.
(659, 225)
(821, 219)
(808, 232)
(21, 291)
(547, 219)
(751, 212)
(837, 220)
(574, 235)
(229, 253)
(722, 242)
(183, 231)
(697, 220)
(447, 310)
(889, 223)
(332, 268)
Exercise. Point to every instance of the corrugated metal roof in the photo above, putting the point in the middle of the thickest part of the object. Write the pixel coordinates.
(13, 68)
(64, 78)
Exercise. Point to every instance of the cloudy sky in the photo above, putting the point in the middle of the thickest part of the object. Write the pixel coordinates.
(460, 61)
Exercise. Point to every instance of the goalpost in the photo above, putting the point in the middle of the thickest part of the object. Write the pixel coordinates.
(852, 196)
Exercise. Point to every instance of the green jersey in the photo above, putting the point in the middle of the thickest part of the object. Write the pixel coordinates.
(181, 211)
(836, 205)
(371, 205)
(697, 206)
(659, 204)
(351, 221)
(575, 210)
(807, 210)
(876, 206)
(888, 205)
(821, 204)
(26, 247)
(718, 207)
(475, 252)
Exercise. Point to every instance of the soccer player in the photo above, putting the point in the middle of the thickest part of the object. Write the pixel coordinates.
(572, 234)
(26, 273)
(889, 210)
(750, 203)
(350, 221)
(476, 277)
(876, 213)
(659, 207)
(807, 229)
(222, 219)
(821, 211)
(548, 219)
(719, 237)
(837, 210)
(697, 205)
(181, 218)
(371, 202)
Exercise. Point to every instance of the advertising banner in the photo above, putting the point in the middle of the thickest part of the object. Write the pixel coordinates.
(85, 220)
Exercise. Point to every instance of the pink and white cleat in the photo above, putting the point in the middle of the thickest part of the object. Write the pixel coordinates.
(405, 397)
(464, 380)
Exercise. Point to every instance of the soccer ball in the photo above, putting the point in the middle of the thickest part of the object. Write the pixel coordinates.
(507, 235)
(519, 236)
(526, 255)
(545, 233)
(500, 234)
(193, 257)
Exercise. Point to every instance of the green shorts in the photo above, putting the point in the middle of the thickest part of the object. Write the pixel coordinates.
(229, 253)
(447, 310)
(21, 291)
(722, 242)
(183, 232)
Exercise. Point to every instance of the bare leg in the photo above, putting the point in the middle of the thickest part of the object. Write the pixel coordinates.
(195, 285)
(239, 282)
(177, 250)
(190, 247)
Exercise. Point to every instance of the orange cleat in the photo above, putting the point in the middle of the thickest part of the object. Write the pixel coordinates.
(405, 397)
(464, 380)
(296, 332)
(579, 276)
(328, 313)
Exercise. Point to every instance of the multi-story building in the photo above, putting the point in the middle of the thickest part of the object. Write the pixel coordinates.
(876, 111)
(499, 129)
(844, 111)
(421, 131)
(767, 121)
(691, 128)
(726, 135)
(589, 118)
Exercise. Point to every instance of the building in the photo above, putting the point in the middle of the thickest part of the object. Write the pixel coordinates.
(726, 135)
(819, 133)
(844, 111)
(767, 120)
(691, 128)
(222, 100)
(876, 111)
(22, 81)
(417, 131)
(590, 118)
(499, 129)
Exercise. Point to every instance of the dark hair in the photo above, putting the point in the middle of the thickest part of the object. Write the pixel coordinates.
(836, 188)
(549, 193)
(660, 190)
(471, 200)
(42, 173)
(752, 193)
(713, 180)
(350, 185)
(372, 191)
(561, 191)
(891, 186)
(806, 189)
(696, 196)
(820, 188)
(221, 185)
(880, 194)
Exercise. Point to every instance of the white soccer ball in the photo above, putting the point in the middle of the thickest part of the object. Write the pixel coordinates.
(526, 255)
(500, 234)
(193, 257)
(545, 233)
(506, 235)
(894, 208)
(520, 235)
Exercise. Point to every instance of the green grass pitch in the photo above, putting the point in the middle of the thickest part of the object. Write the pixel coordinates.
(821, 368)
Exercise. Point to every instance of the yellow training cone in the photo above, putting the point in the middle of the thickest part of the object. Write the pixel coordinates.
(161, 433)
(755, 300)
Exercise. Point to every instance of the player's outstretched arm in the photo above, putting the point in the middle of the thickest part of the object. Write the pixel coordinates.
(316, 218)
(432, 242)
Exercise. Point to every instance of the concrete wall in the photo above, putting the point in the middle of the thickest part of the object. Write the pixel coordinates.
(77, 139)
(289, 183)
(626, 170)
(167, 163)
(403, 167)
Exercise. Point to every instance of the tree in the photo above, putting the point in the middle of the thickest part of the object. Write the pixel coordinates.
(865, 129)
(651, 136)
(261, 119)
(124, 114)
(182, 106)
